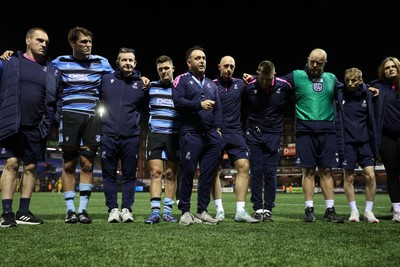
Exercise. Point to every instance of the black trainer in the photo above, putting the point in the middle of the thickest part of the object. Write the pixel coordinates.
(331, 216)
(27, 218)
(267, 216)
(71, 217)
(258, 216)
(83, 217)
(309, 215)
(8, 220)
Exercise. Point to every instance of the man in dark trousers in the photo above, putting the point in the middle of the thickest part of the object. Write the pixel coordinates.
(197, 101)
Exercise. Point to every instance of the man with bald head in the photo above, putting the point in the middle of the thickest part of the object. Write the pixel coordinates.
(315, 132)
(233, 142)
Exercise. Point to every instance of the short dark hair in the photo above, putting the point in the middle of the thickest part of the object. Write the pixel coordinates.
(266, 67)
(126, 50)
(162, 59)
(73, 33)
(190, 50)
(31, 31)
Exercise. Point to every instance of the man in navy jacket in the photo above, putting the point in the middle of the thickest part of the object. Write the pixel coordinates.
(30, 104)
(197, 101)
(123, 99)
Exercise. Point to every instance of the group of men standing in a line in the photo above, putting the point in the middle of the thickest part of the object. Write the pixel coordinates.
(193, 121)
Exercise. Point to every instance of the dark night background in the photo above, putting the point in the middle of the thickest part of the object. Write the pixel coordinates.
(353, 33)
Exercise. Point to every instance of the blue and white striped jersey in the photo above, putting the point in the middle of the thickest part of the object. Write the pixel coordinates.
(163, 115)
(81, 80)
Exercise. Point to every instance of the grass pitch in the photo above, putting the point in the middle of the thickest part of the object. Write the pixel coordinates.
(286, 242)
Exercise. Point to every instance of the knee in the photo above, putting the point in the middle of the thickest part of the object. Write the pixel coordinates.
(155, 173)
(12, 165)
(170, 175)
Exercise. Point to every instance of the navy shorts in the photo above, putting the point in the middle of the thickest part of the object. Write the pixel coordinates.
(234, 144)
(77, 130)
(27, 145)
(163, 146)
(357, 153)
(316, 149)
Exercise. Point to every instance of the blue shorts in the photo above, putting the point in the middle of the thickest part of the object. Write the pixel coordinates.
(234, 144)
(27, 145)
(316, 149)
(357, 153)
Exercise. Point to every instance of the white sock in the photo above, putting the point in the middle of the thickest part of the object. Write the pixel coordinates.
(396, 207)
(309, 203)
(353, 205)
(218, 204)
(369, 205)
(329, 203)
(240, 206)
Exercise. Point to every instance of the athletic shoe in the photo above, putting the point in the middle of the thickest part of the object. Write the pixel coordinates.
(244, 216)
(71, 217)
(331, 216)
(354, 216)
(8, 220)
(220, 216)
(309, 215)
(83, 217)
(114, 216)
(267, 216)
(258, 215)
(153, 218)
(126, 215)
(369, 217)
(186, 219)
(168, 217)
(206, 218)
(396, 216)
(27, 218)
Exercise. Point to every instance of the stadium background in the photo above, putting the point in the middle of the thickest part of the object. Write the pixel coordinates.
(353, 33)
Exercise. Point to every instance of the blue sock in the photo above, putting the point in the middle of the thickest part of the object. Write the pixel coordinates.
(155, 204)
(69, 200)
(85, 190)
(168, 205)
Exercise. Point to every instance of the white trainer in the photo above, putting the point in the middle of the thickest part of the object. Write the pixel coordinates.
(186, 219)
(396, 216)
(126, 215)
(220, 216)
(369, 217)
(206, 218)
(354, 216)
(114, 216)
(244, 216)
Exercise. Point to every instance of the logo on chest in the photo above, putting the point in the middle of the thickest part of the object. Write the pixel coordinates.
(318, 84)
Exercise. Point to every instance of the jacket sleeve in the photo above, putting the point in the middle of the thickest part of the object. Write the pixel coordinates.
(183, 100)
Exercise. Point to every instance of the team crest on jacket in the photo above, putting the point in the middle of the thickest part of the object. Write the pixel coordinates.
(364, 103)
(318, 84)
